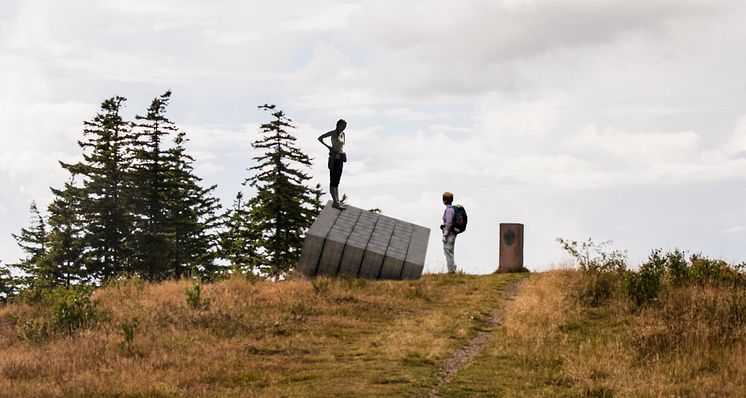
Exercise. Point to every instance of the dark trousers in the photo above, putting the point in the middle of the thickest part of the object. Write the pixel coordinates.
(335, 172)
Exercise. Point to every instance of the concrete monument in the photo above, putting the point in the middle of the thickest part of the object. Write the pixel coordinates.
(358, 243)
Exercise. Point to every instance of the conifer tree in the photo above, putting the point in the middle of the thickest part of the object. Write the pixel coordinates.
(8, 284)
(104, 207)
(174, 216)
(238, 242)
(193, 214)
(65, 241)
(33, 242)
(283, 208)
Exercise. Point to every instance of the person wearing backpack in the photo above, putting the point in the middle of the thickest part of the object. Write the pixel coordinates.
(449, 235)
(454, 223)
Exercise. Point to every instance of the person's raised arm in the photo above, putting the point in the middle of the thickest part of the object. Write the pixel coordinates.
(321, 140)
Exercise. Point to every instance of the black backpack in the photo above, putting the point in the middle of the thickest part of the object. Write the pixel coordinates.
(459, 219)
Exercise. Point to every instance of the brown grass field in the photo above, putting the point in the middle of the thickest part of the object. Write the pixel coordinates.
(323, 338)
(357, 338)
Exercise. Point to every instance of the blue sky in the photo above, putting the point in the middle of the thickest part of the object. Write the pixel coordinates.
(615, 120)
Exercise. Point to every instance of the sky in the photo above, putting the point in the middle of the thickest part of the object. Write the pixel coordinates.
(621, 120)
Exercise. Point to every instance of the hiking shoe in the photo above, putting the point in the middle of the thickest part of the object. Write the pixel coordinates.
(339, 206)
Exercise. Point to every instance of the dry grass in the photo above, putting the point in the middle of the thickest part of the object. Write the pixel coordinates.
(555, 341)
(342, 337)
(566, 334)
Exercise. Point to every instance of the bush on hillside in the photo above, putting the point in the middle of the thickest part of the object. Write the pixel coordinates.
(593, 257)
(645, 285)
(603, 269)
(58, 310)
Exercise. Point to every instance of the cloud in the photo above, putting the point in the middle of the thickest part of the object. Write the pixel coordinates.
(328, 64)
(229, 38)
(492, 31)
(328, 17)
(737, 143)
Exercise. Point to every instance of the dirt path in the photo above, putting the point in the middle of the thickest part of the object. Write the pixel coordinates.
(464, 356)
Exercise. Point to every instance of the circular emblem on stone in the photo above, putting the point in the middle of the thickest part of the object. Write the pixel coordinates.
(509, 237)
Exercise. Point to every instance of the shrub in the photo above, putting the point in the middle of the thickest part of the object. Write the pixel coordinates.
(60, 310)
(714, 272)
(644, 286)
(602, 269)
(593, 258)
(678, 268)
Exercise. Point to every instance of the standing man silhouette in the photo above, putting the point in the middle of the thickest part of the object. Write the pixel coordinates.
(337, 157)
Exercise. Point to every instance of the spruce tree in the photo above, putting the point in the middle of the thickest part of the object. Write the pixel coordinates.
(283, 208)
(65, 242)
(33, 242)
(104, 207)
(238, 242)
(54, 247)
(193, 214)
(152, 248)
(174, 216)
(8, 284)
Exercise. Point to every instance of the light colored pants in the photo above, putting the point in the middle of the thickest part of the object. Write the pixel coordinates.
(448, 250)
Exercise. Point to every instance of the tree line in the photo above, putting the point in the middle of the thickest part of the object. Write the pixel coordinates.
(134, 207)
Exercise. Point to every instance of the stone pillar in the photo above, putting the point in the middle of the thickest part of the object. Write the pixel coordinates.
(511, 248)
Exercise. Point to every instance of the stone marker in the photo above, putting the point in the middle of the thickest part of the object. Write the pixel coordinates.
(511, 248)
(359, 243)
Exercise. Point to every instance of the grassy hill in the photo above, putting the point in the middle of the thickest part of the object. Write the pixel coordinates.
(350, 337)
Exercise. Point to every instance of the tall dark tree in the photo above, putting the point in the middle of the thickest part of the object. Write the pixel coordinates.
(193, 215)
(150, 183)
(8, 283)
(104, 206)
(238, 242)
(65, 241)
(284, 207)
(175, 217)
(33, 242)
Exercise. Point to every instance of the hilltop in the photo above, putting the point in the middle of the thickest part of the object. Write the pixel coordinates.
(352, 337)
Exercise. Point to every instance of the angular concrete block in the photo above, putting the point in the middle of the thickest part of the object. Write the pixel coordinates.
(396, 253)
(313, 243)
(336, 240)
(375, 252)
(358, 243)
(415, 260)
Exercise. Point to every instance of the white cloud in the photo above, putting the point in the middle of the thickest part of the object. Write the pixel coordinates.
(328, 64)
(330, 17)
(231, 39)
(737, 144)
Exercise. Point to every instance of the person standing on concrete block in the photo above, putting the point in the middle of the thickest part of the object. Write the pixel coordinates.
(337, 157)
(449, 237)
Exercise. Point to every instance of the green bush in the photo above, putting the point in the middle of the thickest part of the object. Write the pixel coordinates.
(59, 310)
(708, 272)
(678, 268)
(645, 285)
